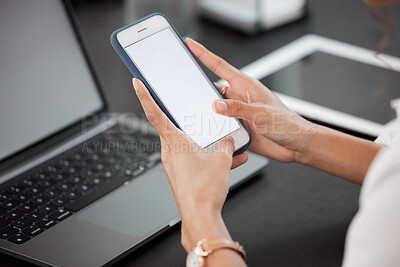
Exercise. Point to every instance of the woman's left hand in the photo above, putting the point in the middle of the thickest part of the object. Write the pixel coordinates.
(199, 179)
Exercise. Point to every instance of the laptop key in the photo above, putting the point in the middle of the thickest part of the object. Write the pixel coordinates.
(50, 169)
(84, 188)
(33, 191)
(21, 224)
(14, 190)
(59, 202)
(47, 209)
(14, 215)
(8, 231)
(5, 196)
(50, 194)
(40, 201)
(107, 174)
(10, 204)
(87, 174)
(21, 198)
(27, 207)
(46, 223)
(26, 183)
(69, 170)
(3, 222)
(35, 216)
(96, 181)
(60, 214)
(44, 184)
(62, 187)
(56, 177)
(19, 238)
(75, 157)
(40, 176)
(63, 163)
(72, 194)
(74, 180)
(32, 230)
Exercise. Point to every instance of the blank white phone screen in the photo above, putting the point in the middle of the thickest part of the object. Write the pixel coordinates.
(181, 86)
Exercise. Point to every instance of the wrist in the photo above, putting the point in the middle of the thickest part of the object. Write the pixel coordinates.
(200, 226)
(309, 134)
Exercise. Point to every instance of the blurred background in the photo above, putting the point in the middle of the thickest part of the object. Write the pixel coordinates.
(240, 31)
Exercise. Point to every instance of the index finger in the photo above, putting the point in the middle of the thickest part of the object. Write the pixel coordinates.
(154, 114)
(216, 64)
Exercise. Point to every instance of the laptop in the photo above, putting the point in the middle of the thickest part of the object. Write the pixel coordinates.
(78, 186)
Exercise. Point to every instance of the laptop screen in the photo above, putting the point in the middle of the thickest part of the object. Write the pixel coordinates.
(45, 82)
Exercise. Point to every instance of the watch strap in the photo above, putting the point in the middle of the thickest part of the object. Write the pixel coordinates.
(217, 244)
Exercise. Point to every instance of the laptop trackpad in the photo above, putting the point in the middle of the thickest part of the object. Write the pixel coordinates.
(136, 209)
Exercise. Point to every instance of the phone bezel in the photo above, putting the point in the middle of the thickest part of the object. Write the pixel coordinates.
(154, 24)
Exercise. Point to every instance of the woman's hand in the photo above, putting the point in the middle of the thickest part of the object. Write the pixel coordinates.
(276, 131)
(281, 134)
(199, 179)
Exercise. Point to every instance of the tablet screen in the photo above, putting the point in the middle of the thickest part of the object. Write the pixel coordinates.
(341, 84)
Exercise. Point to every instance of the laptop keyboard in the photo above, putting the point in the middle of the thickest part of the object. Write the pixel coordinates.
(41, 198)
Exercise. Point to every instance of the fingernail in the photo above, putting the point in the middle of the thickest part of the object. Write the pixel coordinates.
(135, 84)
(220, 106)
(230, 138)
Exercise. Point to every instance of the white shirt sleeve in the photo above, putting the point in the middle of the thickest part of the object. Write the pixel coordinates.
(373, 238)
(391, 131)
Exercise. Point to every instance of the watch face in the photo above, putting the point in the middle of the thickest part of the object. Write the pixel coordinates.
(193, 260)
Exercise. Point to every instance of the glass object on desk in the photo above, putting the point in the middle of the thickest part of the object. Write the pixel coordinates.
(341, 84)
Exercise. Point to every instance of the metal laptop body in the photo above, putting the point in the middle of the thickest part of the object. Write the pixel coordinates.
(114, 223)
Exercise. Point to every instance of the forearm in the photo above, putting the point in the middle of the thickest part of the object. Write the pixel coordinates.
(210, 227)
(340, 154)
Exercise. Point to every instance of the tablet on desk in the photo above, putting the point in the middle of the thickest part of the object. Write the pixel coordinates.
(332, 82)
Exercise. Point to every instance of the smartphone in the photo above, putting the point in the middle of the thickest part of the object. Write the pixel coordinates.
(154, 52)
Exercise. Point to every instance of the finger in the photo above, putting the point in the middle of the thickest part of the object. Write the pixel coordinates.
(219, 86)
(154, 114)
(224, 90)
(216, 64)
(239, 109)
(239, 160)
(226, 145)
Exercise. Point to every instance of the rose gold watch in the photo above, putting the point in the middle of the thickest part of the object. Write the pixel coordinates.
(203, 248)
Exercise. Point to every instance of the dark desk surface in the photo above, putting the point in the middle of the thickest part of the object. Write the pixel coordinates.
(289, 214)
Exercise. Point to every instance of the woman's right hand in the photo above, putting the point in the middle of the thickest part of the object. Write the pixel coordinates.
(277, 132)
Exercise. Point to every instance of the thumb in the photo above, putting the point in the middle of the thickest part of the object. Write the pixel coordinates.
(237, 109)
(227, 146)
